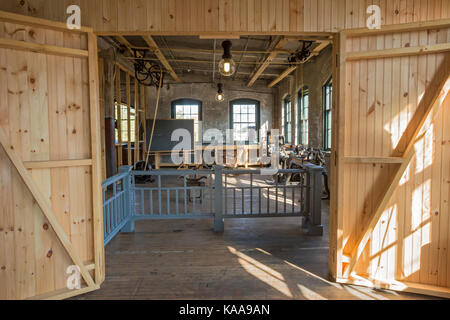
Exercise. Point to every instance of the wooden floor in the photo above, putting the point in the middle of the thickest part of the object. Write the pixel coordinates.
(265, 258)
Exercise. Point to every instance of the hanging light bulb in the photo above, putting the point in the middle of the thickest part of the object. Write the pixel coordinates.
(220, 96)
(227, 66)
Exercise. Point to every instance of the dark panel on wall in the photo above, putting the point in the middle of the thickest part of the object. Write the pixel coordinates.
(164, 129)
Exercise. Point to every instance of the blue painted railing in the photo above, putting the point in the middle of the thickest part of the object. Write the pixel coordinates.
(218, 196)
(116, 204)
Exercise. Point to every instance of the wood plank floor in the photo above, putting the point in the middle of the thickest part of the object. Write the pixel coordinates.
(266, 258)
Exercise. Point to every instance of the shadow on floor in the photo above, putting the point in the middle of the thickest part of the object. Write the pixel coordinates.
(262, 258)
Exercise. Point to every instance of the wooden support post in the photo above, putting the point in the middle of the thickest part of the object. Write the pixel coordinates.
(144, 118)
(136, 121)
(119, 117)
(128, 93)
(97, 208)
(109, 112)
(101, 79)
(157, 160)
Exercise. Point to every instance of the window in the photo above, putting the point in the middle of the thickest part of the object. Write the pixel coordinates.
(283, 112)
(287, 116)
(244, 115)
(303, 101)
(188, 109)
(327, 96)
(124, 123)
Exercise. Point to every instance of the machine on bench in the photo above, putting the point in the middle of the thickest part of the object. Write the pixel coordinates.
(295, 157)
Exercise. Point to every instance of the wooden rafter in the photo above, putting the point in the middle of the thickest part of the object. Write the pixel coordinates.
(267, 61)
(283, 75)
(430, 104)
(151, 43)
(288, 71)
(125, 43)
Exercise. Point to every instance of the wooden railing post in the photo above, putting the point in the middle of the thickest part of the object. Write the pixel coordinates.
(314, 199)
(218, 199)
(129, 204)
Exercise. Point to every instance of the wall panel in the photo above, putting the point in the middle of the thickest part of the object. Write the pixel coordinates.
(383, 101)
(244, 16)
(49, 218)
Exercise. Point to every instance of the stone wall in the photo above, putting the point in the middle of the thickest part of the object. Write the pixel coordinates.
(315, 74)
(214, 114)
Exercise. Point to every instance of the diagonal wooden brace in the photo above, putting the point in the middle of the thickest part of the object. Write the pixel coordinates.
(45, 206)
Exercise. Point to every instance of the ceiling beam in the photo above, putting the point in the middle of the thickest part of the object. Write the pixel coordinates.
(151, 43)
(315, 52)
(210, 51)
(267, 61)
(192, 60)
(283, 75)
(241, 73)
(219, 37)
(125, 43)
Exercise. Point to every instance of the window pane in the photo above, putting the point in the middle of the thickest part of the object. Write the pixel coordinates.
(189, 111)
(244, 117)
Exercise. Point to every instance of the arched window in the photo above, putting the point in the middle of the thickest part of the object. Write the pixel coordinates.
(244, 116)
(188, 109)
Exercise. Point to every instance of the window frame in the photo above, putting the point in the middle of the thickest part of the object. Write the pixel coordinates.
(327, 127)
(119, 137)
(300, 112)
(245, 101)
(186, 102)
(287, 101)
(189, 102)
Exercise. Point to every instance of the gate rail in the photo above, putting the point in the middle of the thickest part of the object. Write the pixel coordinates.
(116, 203)
(222, 193)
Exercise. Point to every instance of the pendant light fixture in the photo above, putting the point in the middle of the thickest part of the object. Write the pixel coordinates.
(220, 96)
(227, 66)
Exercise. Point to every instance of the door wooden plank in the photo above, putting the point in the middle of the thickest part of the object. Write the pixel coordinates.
(45, 206)
(360, 245)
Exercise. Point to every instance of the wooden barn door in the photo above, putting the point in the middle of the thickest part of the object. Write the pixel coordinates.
(50, 195)
(390, 208)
